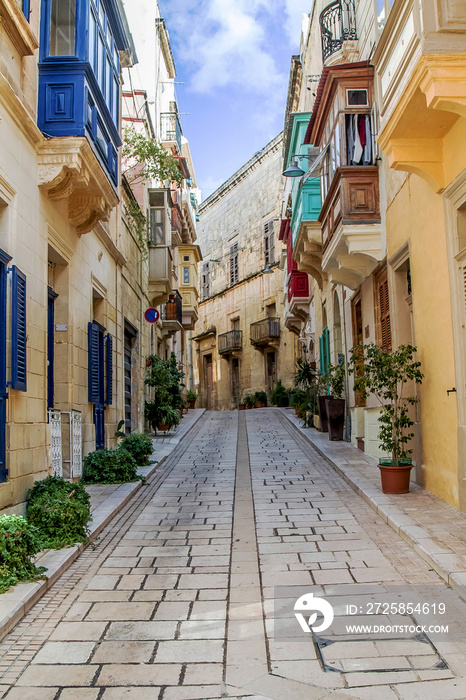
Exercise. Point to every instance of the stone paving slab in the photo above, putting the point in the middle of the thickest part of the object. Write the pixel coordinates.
(106, 501)
(435, 530)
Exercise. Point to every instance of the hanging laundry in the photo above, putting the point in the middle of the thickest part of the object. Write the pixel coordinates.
(358, 147)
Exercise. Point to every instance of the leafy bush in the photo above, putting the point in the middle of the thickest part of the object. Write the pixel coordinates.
(114, 466)
(19, 540)
(139, 445)
(279, 395)
(250, 400)
(191, 395)
(161, 414)
(337, 377)
(60, 510)
(261, 397)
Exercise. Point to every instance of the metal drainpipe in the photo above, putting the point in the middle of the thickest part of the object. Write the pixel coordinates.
(348, 414)
(190, 353)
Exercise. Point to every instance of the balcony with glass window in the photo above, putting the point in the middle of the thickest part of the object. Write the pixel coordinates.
(230, 343)
(342, 126)
(171, 314)
(189, 257)
(265, 333)
(304, 239)
(161, 266)
(82, 44)
(338, 32)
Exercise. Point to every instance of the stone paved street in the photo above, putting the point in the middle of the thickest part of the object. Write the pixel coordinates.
(183, 596)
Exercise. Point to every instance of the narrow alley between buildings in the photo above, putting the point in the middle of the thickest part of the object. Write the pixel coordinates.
(190, 590)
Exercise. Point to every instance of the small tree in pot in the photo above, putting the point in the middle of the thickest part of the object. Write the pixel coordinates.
(385, 375)
(335, 403)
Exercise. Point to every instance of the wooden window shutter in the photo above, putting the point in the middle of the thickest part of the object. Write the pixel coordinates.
(18, 330)
(321, 355)
(326, 349)
(269, 243)
(234, 271)
(384, 311)
(94, 362)
(109, 377)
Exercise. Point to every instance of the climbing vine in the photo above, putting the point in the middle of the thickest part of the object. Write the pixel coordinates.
(145, 159)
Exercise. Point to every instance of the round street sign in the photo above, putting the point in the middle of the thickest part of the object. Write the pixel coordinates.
(151, 315)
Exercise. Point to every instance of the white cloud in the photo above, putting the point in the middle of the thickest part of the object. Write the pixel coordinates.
(294, 10)
(226, 44)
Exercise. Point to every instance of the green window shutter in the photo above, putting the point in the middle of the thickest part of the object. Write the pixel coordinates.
(326, 348)
(321, 355)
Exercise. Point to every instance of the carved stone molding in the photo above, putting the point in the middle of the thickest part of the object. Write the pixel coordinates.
(68, 169)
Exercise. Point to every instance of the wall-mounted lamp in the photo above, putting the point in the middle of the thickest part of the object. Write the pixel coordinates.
(267, 270)
(293, 170)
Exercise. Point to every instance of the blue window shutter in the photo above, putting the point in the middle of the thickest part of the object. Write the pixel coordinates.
(26, 8)
(18, 330)
(109, 354)
(93, 340)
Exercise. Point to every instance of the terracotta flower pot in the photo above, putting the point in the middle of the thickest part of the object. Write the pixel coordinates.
(335, 417)
(241, 407)
(260, 404)
(191, 403)
(395, 475)
(163, 427)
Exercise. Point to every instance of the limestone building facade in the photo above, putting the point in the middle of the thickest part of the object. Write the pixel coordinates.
(243, 346)
(74, 282)
(376, 100)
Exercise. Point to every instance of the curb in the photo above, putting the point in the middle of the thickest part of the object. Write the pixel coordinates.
(449, 566)
(16, 603)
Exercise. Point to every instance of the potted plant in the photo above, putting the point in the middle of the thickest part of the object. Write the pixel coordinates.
(335, 403)
(386, 375)
(163, 417)
(261, 399)
(296, 397)
(241, 403)
(191, 397)
(250, 401)
(322, 396)
(279, 395)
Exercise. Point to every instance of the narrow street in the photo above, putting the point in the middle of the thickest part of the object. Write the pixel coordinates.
(179, 597)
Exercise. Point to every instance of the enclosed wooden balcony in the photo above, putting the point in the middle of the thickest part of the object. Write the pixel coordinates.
(265, 333)
(171, 314)
(228, 343)
(161, 276)
(351, 229)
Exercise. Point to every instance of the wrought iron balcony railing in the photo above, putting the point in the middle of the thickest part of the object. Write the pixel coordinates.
(227, 342)
(170, 128)
(173, 309)
(264, 331)
(337, 24)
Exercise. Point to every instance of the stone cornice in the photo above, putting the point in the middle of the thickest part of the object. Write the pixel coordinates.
(17, 27)
(68, 169)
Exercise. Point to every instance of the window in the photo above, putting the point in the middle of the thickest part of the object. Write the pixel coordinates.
(18, 330)
(269, 243)
(205, 280)
(103, 56)
(157, 218)
(324, 348)
(234, 270)
(383, 307)
(356, 98)
(185, 275)
(62, 28)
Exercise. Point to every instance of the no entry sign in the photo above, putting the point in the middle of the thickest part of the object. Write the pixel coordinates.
(151, 315)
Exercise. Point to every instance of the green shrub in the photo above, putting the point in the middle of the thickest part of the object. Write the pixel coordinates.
(60, 510)
(279, 395)
(19, 541)
(139, 445)
(250, 400)
(114, 466)
(261, 397)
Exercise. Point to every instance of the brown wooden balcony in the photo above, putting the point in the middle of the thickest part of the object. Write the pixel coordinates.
(265, 332)
(171, 314)
(230, 342)
(351, 229)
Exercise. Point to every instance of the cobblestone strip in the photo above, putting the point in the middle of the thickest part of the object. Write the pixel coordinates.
(19, 647)
(316, 534)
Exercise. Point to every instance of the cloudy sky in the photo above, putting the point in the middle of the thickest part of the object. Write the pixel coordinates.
(233, 57)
